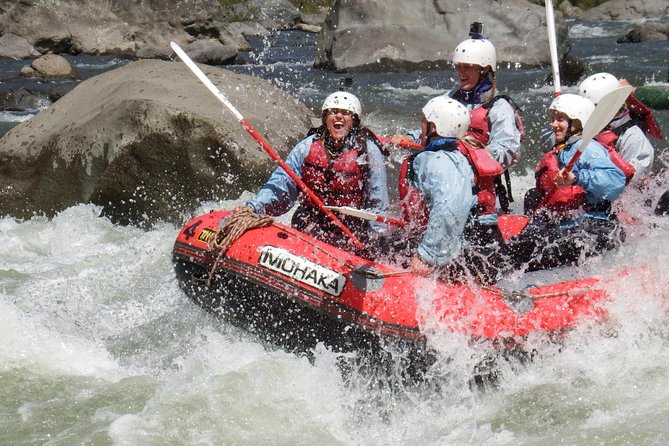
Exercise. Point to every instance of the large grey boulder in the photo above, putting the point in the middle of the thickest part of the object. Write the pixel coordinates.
(146, 141)
(627, 10)
(394, 34)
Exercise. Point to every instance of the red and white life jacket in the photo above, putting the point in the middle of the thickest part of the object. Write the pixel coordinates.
(561, 199)
(336, 181)
(484, 166)
(479, 126)
(608, 139)
(644, 115)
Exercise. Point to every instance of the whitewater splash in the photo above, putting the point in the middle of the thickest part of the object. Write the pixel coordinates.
(92, 318)
(9, 116)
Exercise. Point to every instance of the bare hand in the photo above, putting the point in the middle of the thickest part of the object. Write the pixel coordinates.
(398, 139)
(563, 178)
(244, 209)
(419, 266)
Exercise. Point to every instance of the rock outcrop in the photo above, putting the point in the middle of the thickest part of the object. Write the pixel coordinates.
(396, 35)
(627, 10)
(148, 142)
(139, 28)
(648, 32)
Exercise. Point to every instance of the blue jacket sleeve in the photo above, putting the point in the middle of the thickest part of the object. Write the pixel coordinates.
(504, 143)
(279, 193)
(445, 179)
(595, 172)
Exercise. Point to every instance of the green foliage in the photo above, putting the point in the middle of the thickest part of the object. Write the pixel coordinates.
(228, 3)
(311, 6)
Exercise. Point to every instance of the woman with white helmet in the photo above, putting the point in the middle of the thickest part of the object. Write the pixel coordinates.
(575, 217)
(342, 163)
(624, 134)
(495, 119)
(495, 122)
(447, 195)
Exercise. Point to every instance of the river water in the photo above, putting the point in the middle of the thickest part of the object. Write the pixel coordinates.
(98, 345)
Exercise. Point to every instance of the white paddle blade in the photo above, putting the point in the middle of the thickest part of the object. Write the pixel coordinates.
(204, 79)
(353, 212)
(604, 112)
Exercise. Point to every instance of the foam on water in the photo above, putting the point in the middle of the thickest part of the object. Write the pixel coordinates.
(8, 116)
(94, 307)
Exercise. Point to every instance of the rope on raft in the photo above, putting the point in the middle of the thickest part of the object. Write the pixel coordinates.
(240, 221)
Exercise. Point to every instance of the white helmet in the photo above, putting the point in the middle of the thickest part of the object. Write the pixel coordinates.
(450, 117)
(476, 52)
(343, 101)
(595, 87)
(574, 106)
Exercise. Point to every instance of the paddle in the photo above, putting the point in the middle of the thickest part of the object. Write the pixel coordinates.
(275, 156)
(366, 215)
(552, 45)
(510, 225)
(403, 144)
(604, 112)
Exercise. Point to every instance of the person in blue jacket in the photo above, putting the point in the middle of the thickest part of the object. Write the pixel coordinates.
(627, 133)
(447, 197)
(343, 163)
(576, 218)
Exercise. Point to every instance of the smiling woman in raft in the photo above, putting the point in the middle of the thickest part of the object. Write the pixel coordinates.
(343, 164)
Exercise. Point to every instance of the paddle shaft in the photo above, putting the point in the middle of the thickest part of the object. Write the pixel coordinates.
(366, 215)
(552, 45)
(390, 221)
(255, 135)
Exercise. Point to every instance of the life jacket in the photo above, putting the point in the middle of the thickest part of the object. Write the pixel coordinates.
(479, 129)
(479, 126)
(561, 199)
(644, 117)
(608, 139)
(336, 181)
(485, 168)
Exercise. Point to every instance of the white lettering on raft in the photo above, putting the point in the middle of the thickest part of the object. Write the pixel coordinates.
(302, 270)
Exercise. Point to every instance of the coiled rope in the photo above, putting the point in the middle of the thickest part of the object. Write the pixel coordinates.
(234, 226)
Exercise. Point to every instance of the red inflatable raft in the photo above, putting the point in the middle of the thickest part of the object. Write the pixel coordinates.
(296, 290)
